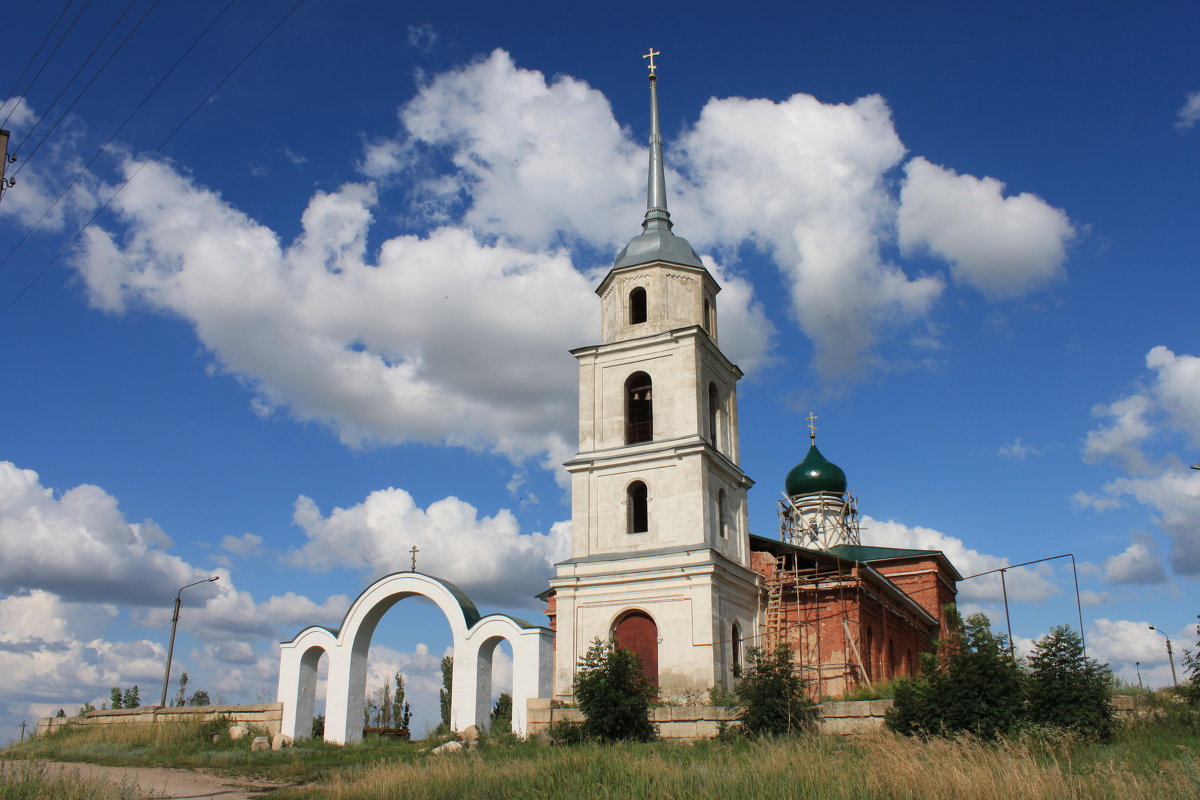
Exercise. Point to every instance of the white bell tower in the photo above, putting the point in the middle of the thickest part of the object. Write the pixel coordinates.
(660, 550)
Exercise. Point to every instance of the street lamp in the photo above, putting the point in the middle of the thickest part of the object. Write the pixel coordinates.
(1170, 654)
(175, 621)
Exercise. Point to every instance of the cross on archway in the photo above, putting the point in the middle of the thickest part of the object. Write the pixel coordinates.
(414, 550)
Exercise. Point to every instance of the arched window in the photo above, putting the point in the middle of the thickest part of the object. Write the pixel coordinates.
(638, 633)
(637, 305)
(635, 499)
(735, 641)
(714, 416)
(639, 409)
(722, 519)
(707, 317)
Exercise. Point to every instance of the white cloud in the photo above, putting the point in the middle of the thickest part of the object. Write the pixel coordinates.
(1139, 563)
(1090, 598)
(1018, 449)
(1123, 643)
(1026, 583)
(805, 182)
(1002, 246)
(246, 544)
(1189, 113)
(534, 161)
(293, 609)
(1167, 403)
(79, 545)
(38, 182)
(488, 557)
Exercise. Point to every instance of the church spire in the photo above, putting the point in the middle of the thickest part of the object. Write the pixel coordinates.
(656, 242)
(657, 216)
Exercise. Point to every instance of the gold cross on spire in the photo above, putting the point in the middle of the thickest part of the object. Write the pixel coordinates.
(651, 56)
(812, 426)
(414, 550)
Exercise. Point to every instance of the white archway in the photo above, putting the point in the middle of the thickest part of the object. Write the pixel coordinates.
(474, 642)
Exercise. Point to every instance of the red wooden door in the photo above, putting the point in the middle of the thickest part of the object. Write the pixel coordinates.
(637, 632)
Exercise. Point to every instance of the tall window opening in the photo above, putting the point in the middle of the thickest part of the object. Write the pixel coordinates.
(707, 317)
(735, 642)
(637, 632)
(635, 499)
(713, 415)
(637, 306)
(722, 523)
(639, 409)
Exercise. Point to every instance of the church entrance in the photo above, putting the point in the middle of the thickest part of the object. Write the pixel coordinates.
(637, 632)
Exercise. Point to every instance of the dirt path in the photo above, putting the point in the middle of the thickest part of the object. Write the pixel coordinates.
(171, 784)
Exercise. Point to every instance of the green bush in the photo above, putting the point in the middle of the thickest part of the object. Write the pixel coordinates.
(772, 696)
(969, 684)
(614, 694)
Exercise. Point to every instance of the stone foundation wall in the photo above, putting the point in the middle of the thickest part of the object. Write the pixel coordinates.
(687, 723)
(265, 716)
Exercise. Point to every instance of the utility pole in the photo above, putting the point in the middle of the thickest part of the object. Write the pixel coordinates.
(1170, 654)
(5, 160)
(22, 730)
(171, 646)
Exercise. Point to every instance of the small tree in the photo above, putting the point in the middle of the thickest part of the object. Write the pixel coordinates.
(1067, 689)
(62, 712)
(84, 709)
(969, 685)
(614, 694)
(401, 712)
(1191, 668)
(182, 693)
(131, 697)
(115, 694)
(771, 695)
(446, 694)
(199, 698)
(501, 716)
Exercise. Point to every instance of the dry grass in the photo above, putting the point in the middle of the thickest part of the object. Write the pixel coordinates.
(23, 781)
(884, 766)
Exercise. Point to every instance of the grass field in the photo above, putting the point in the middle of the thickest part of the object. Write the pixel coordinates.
(1155, 758)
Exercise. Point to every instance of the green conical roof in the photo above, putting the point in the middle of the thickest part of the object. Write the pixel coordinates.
(815, 474)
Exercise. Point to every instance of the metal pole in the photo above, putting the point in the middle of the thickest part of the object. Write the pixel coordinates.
(1170, 654)
(1078, 606)
(1004, 589)
(171, 646)
(1138, 666)
(170, 652)
(1171, 657)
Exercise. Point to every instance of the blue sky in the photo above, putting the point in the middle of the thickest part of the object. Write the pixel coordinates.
(330, 318)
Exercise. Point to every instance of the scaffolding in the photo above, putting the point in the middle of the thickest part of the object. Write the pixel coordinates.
(819, 521)
(800, 598)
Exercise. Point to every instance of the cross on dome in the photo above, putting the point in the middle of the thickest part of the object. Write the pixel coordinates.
(651, 56)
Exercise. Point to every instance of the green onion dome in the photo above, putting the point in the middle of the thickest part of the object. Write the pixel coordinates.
(815, 474)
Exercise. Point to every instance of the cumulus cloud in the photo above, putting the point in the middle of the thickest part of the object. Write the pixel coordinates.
(1122, 643)
(1002, 246)
(1139, 563)
(1031, 583)
(80, 546)
(1189, 112)
(804, 181)
(488, 557)
(1167, 403)
(33, 200)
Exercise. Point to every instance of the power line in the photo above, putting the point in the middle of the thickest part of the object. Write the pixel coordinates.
(103, 39)
(49, 58)
(157, 150)
(12, 91)
(114, 134)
